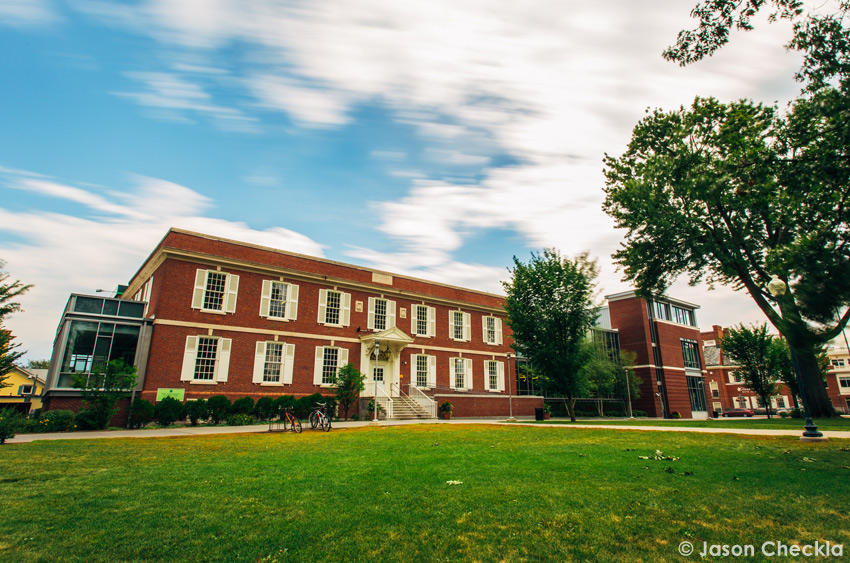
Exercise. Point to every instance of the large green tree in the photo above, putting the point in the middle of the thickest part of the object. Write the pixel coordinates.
(737, 193)
(550, 311)
(761, 357)
(10, 291)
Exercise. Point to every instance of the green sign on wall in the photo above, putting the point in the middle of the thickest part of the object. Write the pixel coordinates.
(162, 393)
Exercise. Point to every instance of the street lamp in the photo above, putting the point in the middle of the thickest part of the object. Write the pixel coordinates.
(777, 289)
(628, 392)
(510, 393)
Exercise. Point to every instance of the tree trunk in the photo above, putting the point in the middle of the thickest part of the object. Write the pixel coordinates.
(599, 407)
(571, 407)
(812, 385)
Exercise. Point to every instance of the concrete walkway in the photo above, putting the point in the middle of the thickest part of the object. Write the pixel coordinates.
(207, 430)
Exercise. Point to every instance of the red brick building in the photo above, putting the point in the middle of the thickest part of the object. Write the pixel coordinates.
(222, 317)
(838, 378)
(664, 335)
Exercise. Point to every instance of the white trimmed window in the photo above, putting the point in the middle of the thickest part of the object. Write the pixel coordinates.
(381, 314)
(328, 361)
(273, 363)
(206, 359)
(334, 307)
(494, 375)
(215, 291)
(460, 373)
(423, 321)
(492, 330)
(279, 301)
(423, 370)
(459, 326)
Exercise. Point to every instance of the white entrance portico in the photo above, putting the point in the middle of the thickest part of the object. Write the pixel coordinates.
(380, 356)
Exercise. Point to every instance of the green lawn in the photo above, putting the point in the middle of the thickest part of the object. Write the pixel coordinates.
(773, 423)
(380, 495)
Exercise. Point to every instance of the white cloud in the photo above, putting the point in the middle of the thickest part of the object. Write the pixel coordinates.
(25, 13)
(61, 254)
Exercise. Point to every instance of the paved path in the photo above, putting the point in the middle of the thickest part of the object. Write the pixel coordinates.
(207, 430)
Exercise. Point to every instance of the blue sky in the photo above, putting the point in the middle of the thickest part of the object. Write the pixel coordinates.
(430, 138)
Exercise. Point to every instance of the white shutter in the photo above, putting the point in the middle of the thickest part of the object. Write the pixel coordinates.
(432, 321)
(259, 361)
(342, 357)
(370, 317)
(189, 354)
(467, 374)
(414, 311)
(266, 298)
(230, 294)
(500, 377)
(288, 362)
(452, 378)
(413, 364)
(486, 375)
(499, 333)
(390, 314)
(346, 309)
(452, 325)
(432, 371)
(222, 365)
(317, 367)
(323, 306)
(200, 289)
(467, 327)
(292, 302)
(484, 328)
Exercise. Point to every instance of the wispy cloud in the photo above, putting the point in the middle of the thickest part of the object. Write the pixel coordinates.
(15, 13)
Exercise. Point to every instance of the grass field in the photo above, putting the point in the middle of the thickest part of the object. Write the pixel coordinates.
(762, 423)
(381, 495)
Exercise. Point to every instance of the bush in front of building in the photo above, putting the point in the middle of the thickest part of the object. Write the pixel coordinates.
(168, 411)
(56, 421)
(219, 408)
(10, 421)
(304, 405)
(284, 402)
(197, 411)
(88, 419)
(245, 405)
(240, 419)
(265, 409)
(140, 413)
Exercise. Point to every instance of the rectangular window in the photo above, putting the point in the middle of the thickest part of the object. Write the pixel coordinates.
(662, 311)
(330, 365)
(493, 374)
(715, 393)
(457, 325)
(492, 330)
(422, 371)
(683, 316)
(332, 308)
(839, 363)
(780, 402)
(272, 368)
(690, 353)
(25, 390)
(380, 314)
(459, 373)
(696, 391)
(205, 358)
(214, 293)
(277, 303)
(420, 320)
(844, 382)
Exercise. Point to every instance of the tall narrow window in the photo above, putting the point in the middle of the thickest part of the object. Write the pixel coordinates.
(380, 314)
(214, 294)
(273, 363)
(493, 375)
(492, 330)
(421, 320)
(460, 373)
(330, 365)
(205, 358)
(332, 308)
(422, 371)
(457, 325)
(690, 353)
(277, 304)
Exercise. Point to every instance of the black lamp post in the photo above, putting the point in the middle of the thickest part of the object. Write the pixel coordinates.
(778, 288)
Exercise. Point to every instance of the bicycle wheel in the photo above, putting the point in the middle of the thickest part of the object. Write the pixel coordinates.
(325, 421)
(296, 425)
(314, 419)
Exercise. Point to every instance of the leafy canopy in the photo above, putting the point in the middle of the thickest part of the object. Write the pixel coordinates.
(763, 360)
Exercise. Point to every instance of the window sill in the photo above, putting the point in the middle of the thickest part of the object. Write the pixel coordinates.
(203, 382)
(212, 311)
(278, 319)
(271, 384)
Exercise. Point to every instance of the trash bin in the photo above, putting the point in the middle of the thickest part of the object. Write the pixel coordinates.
(715, 414)
(538, 414)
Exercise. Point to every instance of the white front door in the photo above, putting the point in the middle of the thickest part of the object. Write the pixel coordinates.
(379, 378)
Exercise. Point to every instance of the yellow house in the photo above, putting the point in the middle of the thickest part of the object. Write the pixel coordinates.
(18, 390)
